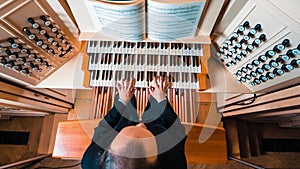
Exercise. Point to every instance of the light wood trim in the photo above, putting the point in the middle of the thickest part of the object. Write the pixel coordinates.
(85, 65)
(270, 114)
(265, 107)
(202, 82)
(186, 124)
(204, 68)
(204, 58)
(281, 94)
(30, 104)
(279, 99)
(67, 96)
(66, 7)
(31, 95)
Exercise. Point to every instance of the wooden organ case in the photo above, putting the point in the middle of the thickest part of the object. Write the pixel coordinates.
(34, 40)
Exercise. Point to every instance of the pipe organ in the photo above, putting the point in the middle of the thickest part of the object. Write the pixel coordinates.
(180, 63)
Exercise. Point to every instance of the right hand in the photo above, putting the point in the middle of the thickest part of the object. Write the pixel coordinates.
(160, 88)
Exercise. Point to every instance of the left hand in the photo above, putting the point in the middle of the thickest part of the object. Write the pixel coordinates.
(126, 89)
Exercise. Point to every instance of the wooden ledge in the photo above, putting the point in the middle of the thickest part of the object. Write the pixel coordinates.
(73, 137)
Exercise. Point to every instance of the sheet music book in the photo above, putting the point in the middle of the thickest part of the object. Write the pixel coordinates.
(134, 20)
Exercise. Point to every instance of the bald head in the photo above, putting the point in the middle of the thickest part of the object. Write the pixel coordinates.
(137, 131)
(135, 142)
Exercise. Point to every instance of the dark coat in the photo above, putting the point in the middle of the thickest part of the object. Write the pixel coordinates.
(159, 118)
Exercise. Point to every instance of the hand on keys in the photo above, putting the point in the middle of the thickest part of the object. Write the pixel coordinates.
(159, 88)
(126, 89)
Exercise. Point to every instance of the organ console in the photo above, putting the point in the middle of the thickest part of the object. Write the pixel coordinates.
(112, 61)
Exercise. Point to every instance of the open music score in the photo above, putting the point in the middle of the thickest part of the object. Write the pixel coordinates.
(112, 61)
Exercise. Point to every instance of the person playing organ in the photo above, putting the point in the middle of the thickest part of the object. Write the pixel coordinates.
(123, 140)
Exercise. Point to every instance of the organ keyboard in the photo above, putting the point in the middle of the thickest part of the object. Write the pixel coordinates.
(112, 61)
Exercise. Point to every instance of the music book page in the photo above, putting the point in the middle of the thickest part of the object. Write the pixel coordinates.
(124, 20)
(128, 20)
(170, 20)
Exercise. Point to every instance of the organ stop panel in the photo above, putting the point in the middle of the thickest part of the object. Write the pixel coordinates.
(34, 41)
(260, 47)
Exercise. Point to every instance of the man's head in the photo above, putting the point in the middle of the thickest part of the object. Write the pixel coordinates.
(133, 147)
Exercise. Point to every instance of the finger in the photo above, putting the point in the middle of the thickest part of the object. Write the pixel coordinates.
(155, 82)
(150, 90)
(132, 89)
(169, 85)
(126, 84)
(119, 87)
(165, 83)
(131, 84)
(161, 81)
(123, 83)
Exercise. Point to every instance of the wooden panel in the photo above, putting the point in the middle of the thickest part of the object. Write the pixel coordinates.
(48, 133)
(27, 103)
(204, 68)
(263, 99)
(270, 107)
(212, 151)
(279, 100)
(34, 96)
(4, 2)
(73, 137)
(66, 95)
